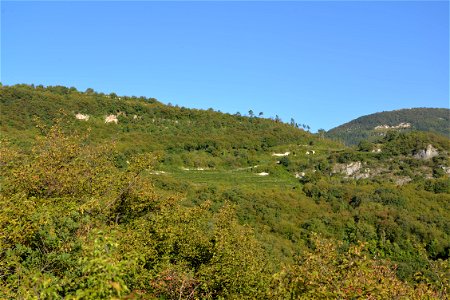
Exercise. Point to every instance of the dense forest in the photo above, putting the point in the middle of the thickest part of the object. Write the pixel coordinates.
(106, 196)
(436, 120)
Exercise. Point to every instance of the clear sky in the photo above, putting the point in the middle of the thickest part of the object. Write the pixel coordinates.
(321, 63)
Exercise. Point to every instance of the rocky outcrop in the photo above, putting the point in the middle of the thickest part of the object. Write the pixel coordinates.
(427, 153)
(281, 154)
(300, 175)
(402, 180)
(348, 169)
(399, 126)
(111, 119)
(82, 117)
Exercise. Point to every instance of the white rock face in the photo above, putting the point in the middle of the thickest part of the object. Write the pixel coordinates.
(111, 119)
(348, 169)
(352, 168)
(428, 153)
(82, 117)
(362, 176)
(446, 170)
(281, 154)
(262, 174)
(300, 175)
(399, 126)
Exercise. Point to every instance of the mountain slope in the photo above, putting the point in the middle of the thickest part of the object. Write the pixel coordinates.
(165, 201)
(138, 124)
(372, 126)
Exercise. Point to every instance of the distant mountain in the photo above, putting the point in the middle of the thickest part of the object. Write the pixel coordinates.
(375, 125)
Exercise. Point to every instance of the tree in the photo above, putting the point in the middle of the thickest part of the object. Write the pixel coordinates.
(365, 146)
(285, 161)
(321, 133)
(260, 114)
(327, 273)
(250, 113)
(292, 122)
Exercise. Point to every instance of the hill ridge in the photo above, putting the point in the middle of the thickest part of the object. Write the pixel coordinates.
(370, 126)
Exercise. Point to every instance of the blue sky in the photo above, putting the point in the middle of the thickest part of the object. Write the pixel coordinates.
(321, 63)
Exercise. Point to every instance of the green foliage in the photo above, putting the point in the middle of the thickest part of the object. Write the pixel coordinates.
(365, 146)
(329, 273)
(74, 242)
(435, 120)
(173, 204)
(144, 124)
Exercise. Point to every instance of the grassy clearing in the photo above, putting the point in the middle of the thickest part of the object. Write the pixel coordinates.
(232, 178)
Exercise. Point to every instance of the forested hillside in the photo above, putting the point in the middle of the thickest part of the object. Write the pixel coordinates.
(139, 123)
(373, 126)
(123, 197)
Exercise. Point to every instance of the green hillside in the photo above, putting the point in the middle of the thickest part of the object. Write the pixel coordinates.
(373, 126)
(143, 124)
(178, 203)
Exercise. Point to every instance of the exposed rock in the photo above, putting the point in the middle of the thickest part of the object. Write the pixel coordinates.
(262, 174)
(82, 117)
(300, 175)
(194, 169)
(428, 153)
(402, 180)
(399, 126)
(362, 175)
(352, 168)
(111, 119)
(348, 169)
(246, 168)
(446, 170)
(157, 172)
(281, 154)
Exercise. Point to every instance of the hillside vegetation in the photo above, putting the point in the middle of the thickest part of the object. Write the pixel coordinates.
(436, 120)
(176, 203)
